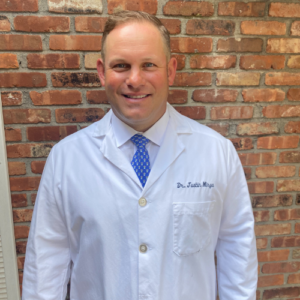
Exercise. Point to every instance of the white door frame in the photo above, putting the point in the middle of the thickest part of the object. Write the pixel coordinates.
(9, 283)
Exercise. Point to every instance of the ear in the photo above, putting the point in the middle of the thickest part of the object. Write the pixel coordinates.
(172, 65)
(101, 71)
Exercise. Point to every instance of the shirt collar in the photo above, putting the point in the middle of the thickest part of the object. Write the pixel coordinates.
(155, 134)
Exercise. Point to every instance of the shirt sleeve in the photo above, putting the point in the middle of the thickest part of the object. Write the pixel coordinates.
(47, 261)
(236, 247)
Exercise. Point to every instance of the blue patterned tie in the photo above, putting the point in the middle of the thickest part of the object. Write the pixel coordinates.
(140, 161)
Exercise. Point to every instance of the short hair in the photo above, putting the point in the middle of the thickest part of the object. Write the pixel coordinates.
(126, 16)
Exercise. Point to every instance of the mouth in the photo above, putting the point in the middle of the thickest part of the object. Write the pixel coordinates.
(136, 96)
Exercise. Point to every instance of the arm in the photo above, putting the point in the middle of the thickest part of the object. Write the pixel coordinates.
(47, 262)
(236, 247)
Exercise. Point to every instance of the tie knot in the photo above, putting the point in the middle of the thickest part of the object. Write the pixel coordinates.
(139, 140)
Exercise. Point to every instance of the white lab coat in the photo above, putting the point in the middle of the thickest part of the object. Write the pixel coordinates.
(87, 211)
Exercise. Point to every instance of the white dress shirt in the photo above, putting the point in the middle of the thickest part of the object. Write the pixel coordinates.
(122, 134)
(126, 242)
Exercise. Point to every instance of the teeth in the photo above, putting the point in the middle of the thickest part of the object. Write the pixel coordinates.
(136, 97)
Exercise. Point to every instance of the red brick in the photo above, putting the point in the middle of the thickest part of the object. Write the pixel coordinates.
(240, 45)
(261, 187)
(11, 98)
(17, 6)
(21, 247)
(18, 184)
(261, 243)
(257, 159)
(295, 28)
(75, 6)
(177, 96)
(193, 112)
(283, 267)
(281, 111)
(275, 255)
(248, 173)
(292, 127)
(285, 10)
(33, 198)
(26, 116)
(192, 79)
(273, 229)
(21, 232)
(263, 27)
(272, 201)
(238, 79)
(263, 95)
(297, 228)
(275, 171)
(74, 115)
(261, 216)
(287, 214)
(83, 79)
(262, 62)
(33, 79)
(277, 142)
(223, 129)
(12, 134)
(281, 292)
(20, 262)
(241, 9)
(172, 25)
(149, 6)
(8, 61)
(75, 42)
(231, 112)
(54, 97)
(271, 280)
(180, 61)
(37, 167)
(4, 23)
(28, 150)
(287, 241)
(212, 62)
(257, 128)
(89, 24)
(289, 157)
(19, 200)
(49, 133)
(16, 168)
(215, 95)
(210, 27)
(53, 61)
(22, 215)
(242, 143)
(283, 78)
(283, 45)
(288, 186)
(97, 97)
(294, 62)
(294, 279)
(191, 8)
(90, 60)
(42, 24)
(293, 94)
(18, 42)
(191, 45)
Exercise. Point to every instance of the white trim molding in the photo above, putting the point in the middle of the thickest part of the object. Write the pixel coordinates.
(9, 279)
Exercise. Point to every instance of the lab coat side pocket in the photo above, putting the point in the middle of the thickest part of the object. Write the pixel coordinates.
(191, 226)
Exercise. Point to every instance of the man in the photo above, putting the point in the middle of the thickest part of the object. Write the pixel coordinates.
(136, 205)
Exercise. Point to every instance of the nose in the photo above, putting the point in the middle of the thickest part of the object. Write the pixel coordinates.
(135, 78)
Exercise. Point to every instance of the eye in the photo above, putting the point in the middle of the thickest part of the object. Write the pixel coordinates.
(149, 65)
(120, 67)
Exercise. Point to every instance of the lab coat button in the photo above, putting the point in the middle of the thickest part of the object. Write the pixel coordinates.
(143, 248)
(142, 202)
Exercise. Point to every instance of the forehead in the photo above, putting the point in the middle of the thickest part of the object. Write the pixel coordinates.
(135, 37)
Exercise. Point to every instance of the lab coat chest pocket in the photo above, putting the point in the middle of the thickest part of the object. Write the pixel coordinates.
(191, 226)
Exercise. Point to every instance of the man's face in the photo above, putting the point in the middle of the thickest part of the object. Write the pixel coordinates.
(136, 74)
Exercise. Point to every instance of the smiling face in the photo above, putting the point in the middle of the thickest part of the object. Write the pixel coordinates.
(136, 74)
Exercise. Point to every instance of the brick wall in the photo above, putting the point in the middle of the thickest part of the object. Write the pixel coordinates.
(238, 73)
